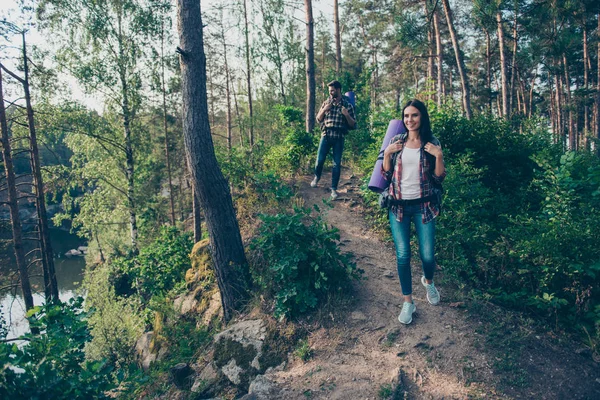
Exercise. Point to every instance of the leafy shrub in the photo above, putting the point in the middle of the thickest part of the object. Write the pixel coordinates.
(297, 261)
(289, 154)
(116, 323)
(158, 268)
(52, 365)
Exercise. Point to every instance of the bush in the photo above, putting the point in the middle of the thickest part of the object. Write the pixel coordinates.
(297, 262)
(290, 154)
(158, 268)
(116, 322)
(52, 365)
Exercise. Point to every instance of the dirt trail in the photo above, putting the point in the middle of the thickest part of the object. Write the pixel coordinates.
(363, 352)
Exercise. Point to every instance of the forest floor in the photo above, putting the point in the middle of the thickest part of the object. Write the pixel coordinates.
(462, 348)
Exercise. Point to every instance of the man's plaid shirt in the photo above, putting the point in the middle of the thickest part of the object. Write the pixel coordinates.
(334, 123)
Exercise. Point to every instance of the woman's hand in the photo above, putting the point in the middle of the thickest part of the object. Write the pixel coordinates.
(393, 148)
(434, 150)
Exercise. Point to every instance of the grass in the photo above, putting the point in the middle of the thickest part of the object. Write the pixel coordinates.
(303, 350)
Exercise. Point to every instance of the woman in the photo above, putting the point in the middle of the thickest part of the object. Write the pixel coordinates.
(413, 163)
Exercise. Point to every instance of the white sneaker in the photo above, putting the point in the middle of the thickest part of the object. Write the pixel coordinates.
(433, 296)
(405, 316)
(314, 182)
(334, 194)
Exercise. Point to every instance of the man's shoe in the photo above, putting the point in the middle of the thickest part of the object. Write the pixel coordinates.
(334, 194)
(405, 316)
(433, 296)
(314, 182)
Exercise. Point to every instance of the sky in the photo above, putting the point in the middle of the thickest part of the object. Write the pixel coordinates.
(9, 9)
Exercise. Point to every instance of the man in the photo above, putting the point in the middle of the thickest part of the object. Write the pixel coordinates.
(336, 117)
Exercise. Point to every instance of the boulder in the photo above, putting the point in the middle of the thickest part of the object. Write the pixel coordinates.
(246, 350)
(208, 382)
(262, 388)
(83, 249)
(182, 376)
(146, 350)
(73, 252)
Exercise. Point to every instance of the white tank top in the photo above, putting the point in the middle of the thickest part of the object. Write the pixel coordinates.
(410, 184)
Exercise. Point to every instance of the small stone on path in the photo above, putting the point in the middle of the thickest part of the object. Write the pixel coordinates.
(358, 316)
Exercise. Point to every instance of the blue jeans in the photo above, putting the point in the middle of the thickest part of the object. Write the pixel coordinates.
(426, 238)
(338, 148)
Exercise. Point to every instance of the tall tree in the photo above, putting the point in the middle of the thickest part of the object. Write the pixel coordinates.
(460, 63)
(103, 43)
(440, 56)
(13, 205)
(248, 74)
(338, 38)
(598, 90)
(310, 67)
(503, 68)
(47, 255)
(231, 268)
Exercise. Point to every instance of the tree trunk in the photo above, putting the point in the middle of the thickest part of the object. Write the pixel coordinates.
(440, 57)
(488, 67)
(559, 116)
(466, 95)
(227, 87)
(248, 76)
(231, 268)
(586, 108)
(310, 67)
(17, 231)
(238, 115)
(503, 69)
(514, 61)
(338, 39)
(197, 216)
(572, 139)
(129, 169)
(50, 284)
(598, 91)
(165, 125)
(431, 45)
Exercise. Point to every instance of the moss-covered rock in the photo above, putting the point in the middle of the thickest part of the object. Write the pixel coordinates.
(248, 349)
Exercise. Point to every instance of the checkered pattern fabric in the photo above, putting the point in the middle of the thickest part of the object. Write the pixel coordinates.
(429, 210)
(334, 123)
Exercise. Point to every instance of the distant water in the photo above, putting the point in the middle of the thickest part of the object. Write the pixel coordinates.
(69, 274)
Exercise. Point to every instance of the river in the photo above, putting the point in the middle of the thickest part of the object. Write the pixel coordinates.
(69, 273)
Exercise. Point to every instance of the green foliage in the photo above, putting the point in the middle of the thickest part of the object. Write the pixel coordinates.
(290, 151)
(297, 261)
(52, 365)
(303, 350)
(116, 323)
(159, 267)
(520, 220)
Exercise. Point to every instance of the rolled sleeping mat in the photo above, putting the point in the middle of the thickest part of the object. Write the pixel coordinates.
(351, 98)
(377, 182)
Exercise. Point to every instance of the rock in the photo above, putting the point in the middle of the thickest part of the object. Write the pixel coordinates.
(181, 375)
(206, 380)
(73, 252)
(83, 249)
(388, 274)
(143, 348)
(246, 350)
(185, 303)
(262, 388)
(358, 316)
(214, 309)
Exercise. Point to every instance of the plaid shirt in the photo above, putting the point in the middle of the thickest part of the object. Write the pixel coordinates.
(334, 123)
(429, 210)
